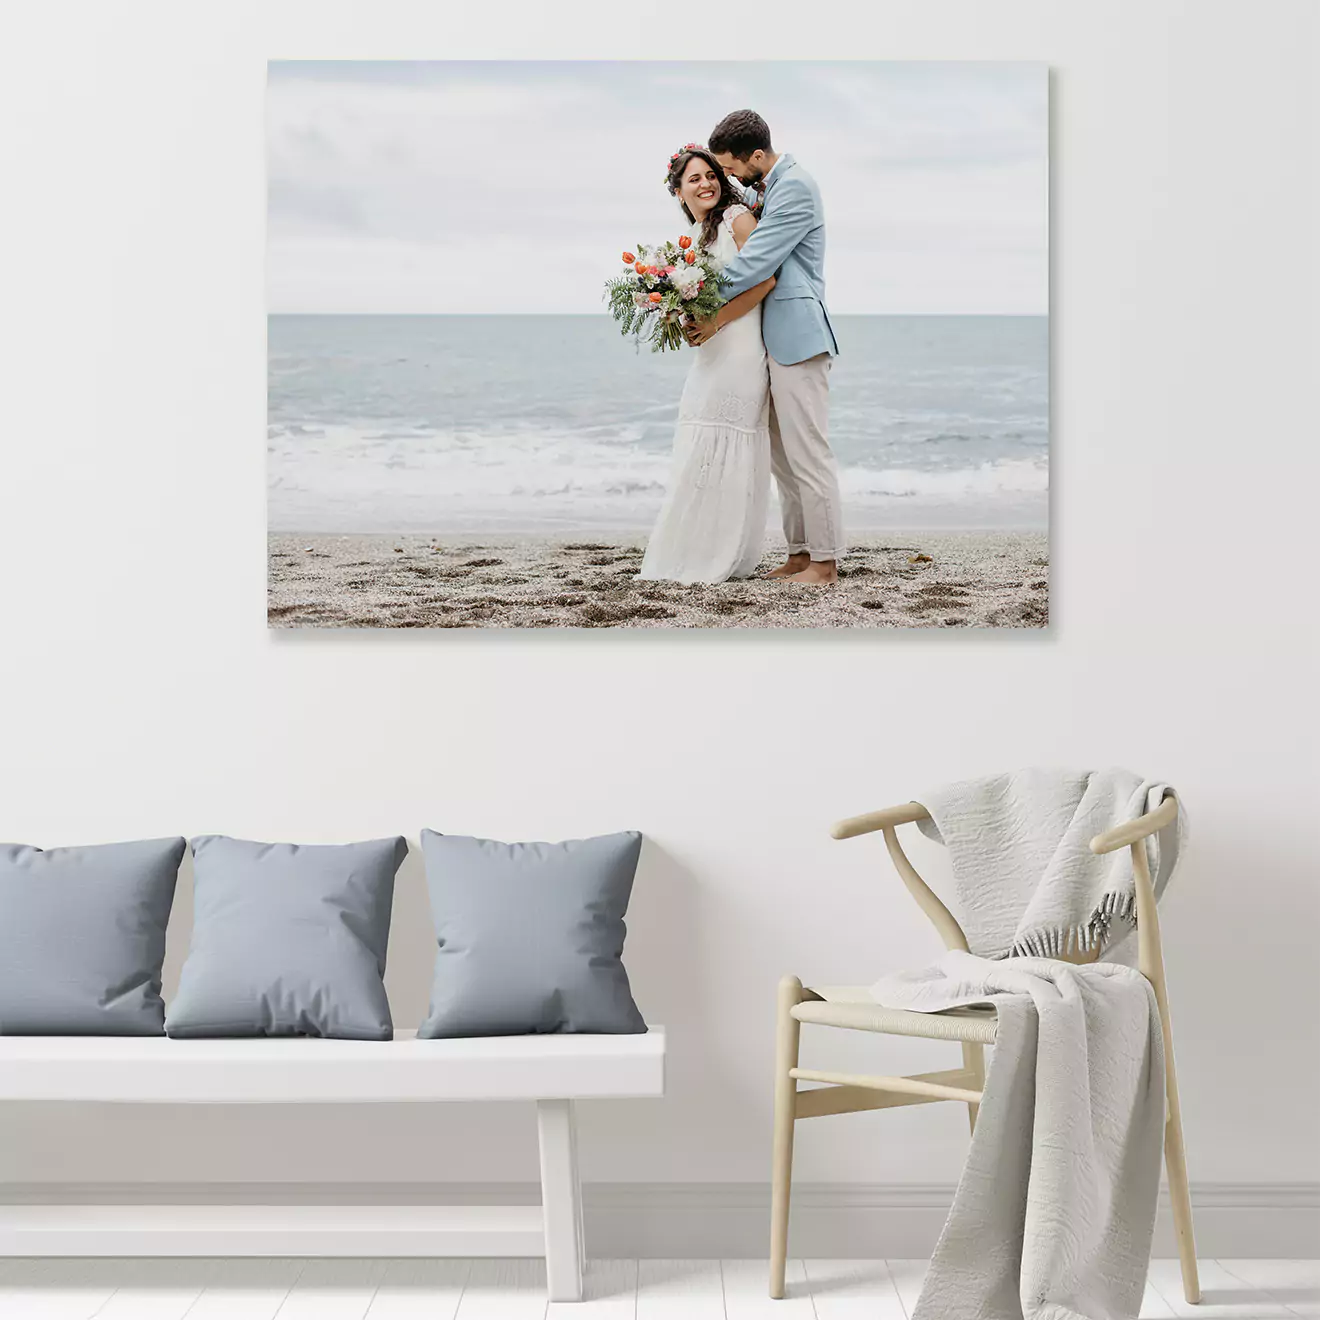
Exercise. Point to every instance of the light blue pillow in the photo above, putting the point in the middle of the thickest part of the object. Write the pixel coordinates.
(288, 940)
(82, 937)
(530, 935)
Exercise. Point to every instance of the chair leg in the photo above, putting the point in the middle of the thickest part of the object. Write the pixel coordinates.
(1180, 1199)
(974, 1062)
(1150, 959)
(788, 1033)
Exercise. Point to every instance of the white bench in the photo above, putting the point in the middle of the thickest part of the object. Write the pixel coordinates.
(552, 1070)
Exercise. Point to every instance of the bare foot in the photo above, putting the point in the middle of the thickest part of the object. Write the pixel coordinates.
(818, 573)
(793, 564)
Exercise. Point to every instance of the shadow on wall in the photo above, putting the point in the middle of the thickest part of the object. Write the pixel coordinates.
(411, 957)
(674, 934)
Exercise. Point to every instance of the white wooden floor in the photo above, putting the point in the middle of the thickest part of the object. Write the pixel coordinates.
(515, 1290)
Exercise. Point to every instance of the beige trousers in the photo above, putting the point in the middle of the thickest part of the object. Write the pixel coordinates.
(801, 458)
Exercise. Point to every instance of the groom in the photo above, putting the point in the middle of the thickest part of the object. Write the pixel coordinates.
(789, 242)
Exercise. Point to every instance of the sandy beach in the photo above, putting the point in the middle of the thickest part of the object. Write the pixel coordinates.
(907, 580)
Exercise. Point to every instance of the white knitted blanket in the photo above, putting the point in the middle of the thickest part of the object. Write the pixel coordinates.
(1053, 1216)
(1025, 881)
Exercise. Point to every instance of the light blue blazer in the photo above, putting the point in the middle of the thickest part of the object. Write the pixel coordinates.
(789, 242)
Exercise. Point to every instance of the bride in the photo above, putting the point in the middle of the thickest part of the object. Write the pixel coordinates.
(712, 523)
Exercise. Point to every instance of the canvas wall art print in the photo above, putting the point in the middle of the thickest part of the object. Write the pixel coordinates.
(657, 345)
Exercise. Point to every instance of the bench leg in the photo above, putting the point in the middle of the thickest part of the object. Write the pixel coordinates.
(561, 1199)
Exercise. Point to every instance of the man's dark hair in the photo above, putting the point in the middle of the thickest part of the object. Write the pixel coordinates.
(739, 134)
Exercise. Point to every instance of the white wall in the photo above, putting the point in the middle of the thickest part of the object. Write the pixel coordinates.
(141, 694)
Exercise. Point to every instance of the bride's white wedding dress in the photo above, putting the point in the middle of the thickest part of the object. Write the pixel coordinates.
(712, 523)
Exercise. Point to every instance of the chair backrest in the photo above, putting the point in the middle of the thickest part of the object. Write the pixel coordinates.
(1149, 955)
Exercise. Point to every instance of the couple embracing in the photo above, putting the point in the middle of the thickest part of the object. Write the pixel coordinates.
(756, 398)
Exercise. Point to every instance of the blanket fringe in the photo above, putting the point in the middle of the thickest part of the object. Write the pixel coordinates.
(1094, 932)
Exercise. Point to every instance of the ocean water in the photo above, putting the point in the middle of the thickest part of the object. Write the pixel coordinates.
(555, 424)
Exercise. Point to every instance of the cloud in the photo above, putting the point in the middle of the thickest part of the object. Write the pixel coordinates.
(307, 207)
(511, 186)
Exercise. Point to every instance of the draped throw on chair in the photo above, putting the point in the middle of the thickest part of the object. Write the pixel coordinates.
(1055, 1210)
(1052, 1219)
(1025, 883)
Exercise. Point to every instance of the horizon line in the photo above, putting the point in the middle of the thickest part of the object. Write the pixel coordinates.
(606, 315)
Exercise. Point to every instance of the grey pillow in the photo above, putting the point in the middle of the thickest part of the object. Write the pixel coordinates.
(82, 937)
(288, 940)
(530, 935)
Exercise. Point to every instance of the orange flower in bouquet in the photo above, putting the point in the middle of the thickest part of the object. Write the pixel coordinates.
(663, 287)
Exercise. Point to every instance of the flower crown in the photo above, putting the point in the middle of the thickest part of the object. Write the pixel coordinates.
(682, 151)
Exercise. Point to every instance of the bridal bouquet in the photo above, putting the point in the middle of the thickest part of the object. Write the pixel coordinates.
(662, 287)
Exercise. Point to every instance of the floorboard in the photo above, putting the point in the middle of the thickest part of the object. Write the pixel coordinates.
(504, 1290)
(853, 1290)
(172, 1289)
(333, 1290)
(680, 1290)
(419, 1290)
(57, 1289)
(246, 1289)
(747, 1292)
(1294, 1283)
(908, 1276)
(1223, 1297)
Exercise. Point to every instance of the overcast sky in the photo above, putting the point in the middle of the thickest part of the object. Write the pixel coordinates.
(513, 186)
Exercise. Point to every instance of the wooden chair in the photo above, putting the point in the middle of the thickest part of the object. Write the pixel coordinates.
(851, 1008)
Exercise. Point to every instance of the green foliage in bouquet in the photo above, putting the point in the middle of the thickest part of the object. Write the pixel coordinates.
(686, 281)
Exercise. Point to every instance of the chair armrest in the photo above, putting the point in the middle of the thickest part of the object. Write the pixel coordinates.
(885, 818)
(888, 819)
(1123, 836)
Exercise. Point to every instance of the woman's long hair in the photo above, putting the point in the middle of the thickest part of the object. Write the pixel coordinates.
(727, 198)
